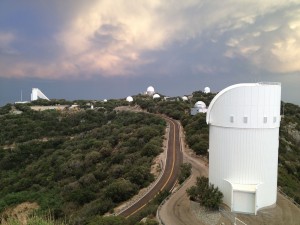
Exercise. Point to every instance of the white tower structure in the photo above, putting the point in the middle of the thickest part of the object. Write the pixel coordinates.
(206, 90)
(36, 94)
(150, 91)
(244, 122)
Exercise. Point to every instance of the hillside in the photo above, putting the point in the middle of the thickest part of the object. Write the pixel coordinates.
(77, 164)
(74, 162)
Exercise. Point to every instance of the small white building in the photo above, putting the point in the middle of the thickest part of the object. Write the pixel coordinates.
(206, 90)
(244, 122)
(129, 99)
(199, 107)
(156, 96)
(150, 91)
(184, 98)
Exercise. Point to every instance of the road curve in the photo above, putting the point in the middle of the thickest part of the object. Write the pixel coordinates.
(170, 173)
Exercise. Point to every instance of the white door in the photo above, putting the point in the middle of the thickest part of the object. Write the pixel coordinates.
(243, 202)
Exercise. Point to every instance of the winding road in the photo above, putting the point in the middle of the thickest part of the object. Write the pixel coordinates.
(169, 177)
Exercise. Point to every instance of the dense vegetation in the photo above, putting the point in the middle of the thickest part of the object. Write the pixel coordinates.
(77, 164)
(205, 193)
(76, 161)
(289, 151)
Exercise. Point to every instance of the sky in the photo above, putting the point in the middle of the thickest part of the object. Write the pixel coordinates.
(102, 49)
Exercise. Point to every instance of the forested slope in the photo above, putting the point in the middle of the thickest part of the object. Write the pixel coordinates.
(76, 164)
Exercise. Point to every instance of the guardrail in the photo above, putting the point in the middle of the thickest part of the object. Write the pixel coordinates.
(288, 197)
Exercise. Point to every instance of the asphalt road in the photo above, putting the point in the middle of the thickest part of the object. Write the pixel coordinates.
(169, 177)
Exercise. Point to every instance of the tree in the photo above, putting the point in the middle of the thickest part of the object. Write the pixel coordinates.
(185, 172)
(206, 194)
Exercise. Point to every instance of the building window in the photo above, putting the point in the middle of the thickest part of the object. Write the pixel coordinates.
(231, 119)
(245, 119)
(265, 119)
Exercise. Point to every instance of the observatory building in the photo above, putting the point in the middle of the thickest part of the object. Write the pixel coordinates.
(129, 99)
(244, 122)
(199, 107)
(150, 91)
(156, 96)
(206, 90)
(37, 94)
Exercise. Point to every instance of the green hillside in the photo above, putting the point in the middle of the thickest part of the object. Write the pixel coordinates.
(83, 163)
(76, 164)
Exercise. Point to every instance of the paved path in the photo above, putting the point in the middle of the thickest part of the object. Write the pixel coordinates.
(170, 173)
(178, 211)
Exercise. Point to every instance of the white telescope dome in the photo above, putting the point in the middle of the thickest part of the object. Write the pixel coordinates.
(184, 98)
(129, 99)
(150, 90)
(200, 104)
(206, 90)
(105, 100)
(156, 96)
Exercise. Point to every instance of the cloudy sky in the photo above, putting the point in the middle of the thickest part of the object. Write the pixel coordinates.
(96, 49)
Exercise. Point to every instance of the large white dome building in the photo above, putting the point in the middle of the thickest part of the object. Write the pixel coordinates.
(150, 91)
(244, 122)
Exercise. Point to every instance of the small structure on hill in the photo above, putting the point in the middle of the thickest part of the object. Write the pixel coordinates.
(206, 90)
(38, 94)
(150, 91)
(199, 107)
(156, 96)
(129, 99)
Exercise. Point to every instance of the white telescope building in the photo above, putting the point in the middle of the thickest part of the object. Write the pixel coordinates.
(37, 94)
(244, 122)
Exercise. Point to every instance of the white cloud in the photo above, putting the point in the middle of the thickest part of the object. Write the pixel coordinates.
(109, 38)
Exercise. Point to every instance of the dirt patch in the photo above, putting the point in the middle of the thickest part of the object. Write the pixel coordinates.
(135, 108)
(19, 212)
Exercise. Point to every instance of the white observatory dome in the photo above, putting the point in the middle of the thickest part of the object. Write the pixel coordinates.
(184, 98)
(200, 105)
(105, 100)
(129, 99)
(156, 96)
(150, 90)
(206, 90)
(243, 145)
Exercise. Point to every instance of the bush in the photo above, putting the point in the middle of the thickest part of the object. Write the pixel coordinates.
(206, 194)
(185, 172)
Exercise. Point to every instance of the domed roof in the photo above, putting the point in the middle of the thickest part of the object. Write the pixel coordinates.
(105, 100)
(184, 98)
(150, 90)
(129, 99)
(200, 104)
(156, 96)
(206, 90)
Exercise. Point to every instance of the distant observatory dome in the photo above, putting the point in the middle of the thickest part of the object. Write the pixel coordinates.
(105, 100)
(206, 90)
(200, 105)
(129, 99)
(156, 96)
(184, 98)
(150, 90)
